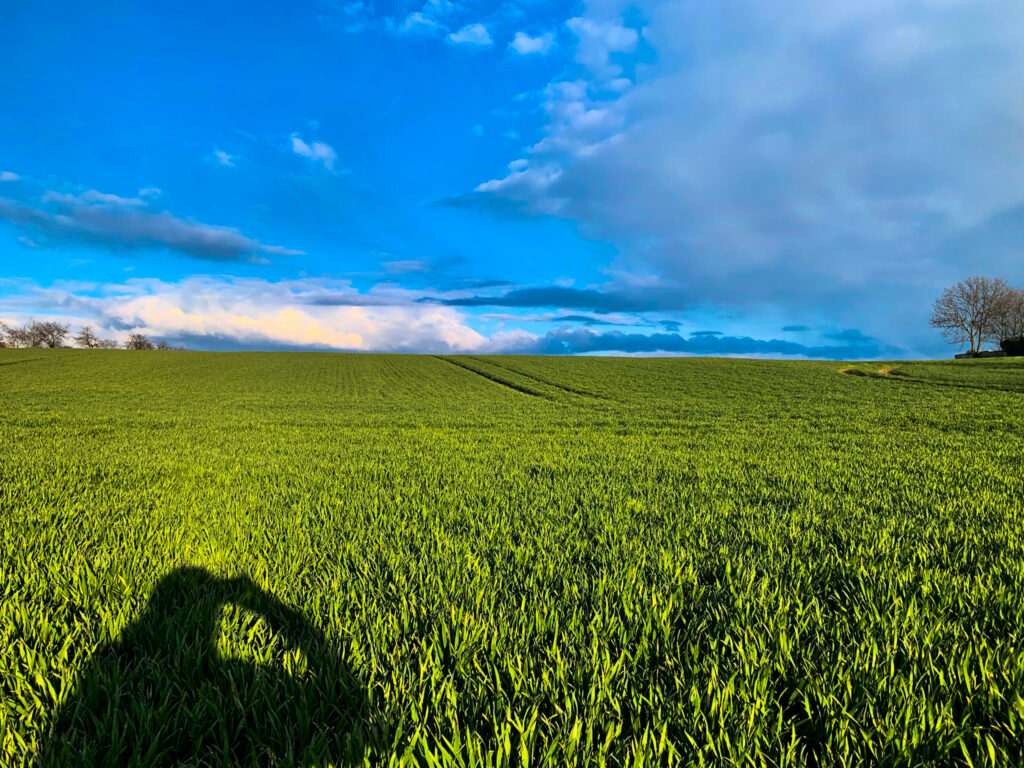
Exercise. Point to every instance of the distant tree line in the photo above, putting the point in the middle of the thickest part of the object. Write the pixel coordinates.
(52, 335)
(981, 310)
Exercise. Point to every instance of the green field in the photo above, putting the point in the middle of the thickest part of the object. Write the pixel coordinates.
(324, 559)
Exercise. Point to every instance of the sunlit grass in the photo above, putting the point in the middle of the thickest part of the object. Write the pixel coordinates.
(333, 559)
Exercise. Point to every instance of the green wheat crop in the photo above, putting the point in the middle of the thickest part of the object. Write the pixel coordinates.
(320, 559)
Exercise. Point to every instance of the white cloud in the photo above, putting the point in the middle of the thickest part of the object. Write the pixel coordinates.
(9, 176)
(439, 8)
(525, 45)
(472, 34)
(578, 121)
(359, 16)
(418, 23)
(93, 198)
(527, 184)
(598, 39)
(222, 157)
(317, 151)
(224, 311)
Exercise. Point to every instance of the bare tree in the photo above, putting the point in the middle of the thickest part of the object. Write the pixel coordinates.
(1010, 323)
(108, 344)
(16, 337)
(970, 310)
(87, 338)
(139, 341)
(163, 345)
(47, 333)
(21, 337)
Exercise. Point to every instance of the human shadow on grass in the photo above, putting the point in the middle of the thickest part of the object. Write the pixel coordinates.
(163, 694)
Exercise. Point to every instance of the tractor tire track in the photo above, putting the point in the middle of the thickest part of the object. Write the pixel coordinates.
(539, 380)
(497, 380)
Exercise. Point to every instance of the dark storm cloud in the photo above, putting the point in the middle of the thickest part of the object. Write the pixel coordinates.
(353, 299)
(846, 174)
(851, 335)
(583, 320)
(578, 341)
(128, 224)
(571, 298)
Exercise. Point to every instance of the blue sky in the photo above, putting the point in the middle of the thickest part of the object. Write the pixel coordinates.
(787, 179)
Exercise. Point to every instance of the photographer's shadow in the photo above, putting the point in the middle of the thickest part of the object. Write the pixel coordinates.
(164, 694)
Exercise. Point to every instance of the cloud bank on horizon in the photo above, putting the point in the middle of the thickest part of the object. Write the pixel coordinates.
(648, 177)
